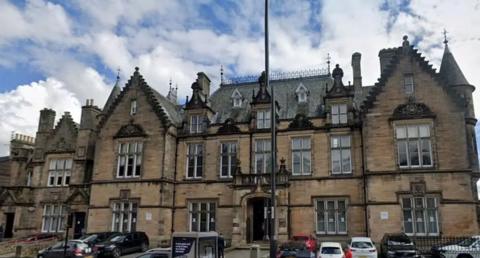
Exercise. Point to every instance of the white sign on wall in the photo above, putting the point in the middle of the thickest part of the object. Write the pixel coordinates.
(384, 215)
(148, 216)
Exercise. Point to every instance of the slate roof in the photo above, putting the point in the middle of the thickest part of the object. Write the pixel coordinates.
(450, 70)
(221, 100)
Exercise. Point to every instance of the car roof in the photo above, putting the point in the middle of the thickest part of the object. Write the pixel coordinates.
(361, 239)
(331, 244)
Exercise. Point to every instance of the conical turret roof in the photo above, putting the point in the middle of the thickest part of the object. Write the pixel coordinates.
(113, 95)
(450, 70)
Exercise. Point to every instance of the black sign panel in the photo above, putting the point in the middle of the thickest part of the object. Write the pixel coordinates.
(182, 247)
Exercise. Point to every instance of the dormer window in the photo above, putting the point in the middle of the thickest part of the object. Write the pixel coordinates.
(408, 84)
(339, 114)
(133, 107)
(263, 119)
(196, 124)
(302, 93)
(237, 99)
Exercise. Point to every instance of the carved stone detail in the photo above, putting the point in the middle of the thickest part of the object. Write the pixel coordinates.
(300, 122)
(130, 130)
(412, 110)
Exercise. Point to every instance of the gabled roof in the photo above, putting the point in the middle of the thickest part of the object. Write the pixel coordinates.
(166, 111)
(369, 100)
(450, 70)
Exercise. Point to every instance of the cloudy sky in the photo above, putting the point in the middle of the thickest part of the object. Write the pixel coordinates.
(57, 54)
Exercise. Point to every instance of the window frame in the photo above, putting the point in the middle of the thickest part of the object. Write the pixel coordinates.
(264, 154)
(137, 158)
(302, 151)
(341, 150)
(413, 209)
(197, 155)
(404, 142)
(408, 83)
(133, 107)
(131, 213)
(231, 158)
(197, 126)
(337, 211)
(56, 220)
(198, 215)
(263, 119)
(64, 173)
(338, 115)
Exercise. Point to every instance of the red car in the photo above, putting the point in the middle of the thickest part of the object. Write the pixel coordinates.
(309, 241)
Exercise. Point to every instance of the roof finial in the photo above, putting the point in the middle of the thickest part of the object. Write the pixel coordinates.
(170, 84)
(118, 74)
(328, 63)
(221, 74)
(445, 41)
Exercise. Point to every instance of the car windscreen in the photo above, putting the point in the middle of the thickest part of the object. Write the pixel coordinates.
(361, 245)
(467, 242)
(331, 250)
(117, 238)
(399, 240)
(89, 238)
(300, 238)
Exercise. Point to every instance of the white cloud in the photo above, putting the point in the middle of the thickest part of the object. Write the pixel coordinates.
(21, 107)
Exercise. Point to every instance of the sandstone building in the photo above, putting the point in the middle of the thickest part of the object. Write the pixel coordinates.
(397, 156)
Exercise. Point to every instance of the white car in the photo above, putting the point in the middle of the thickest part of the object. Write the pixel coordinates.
(330, 250)
(363, 247)
(467, 248)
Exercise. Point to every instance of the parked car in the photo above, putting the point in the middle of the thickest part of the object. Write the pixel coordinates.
(363, 247)
(310, 241)
(467, 248)
(398, 245)
(123, 244)
(75, 248)
(330, 250)
(97, 237)
(294, 249)
(157, 253)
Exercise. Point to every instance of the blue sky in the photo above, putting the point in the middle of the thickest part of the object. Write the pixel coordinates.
(57, 54)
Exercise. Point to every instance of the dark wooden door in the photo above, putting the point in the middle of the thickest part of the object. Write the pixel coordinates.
(9, 220)
(79, 224)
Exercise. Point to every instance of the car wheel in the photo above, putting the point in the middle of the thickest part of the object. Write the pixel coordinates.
(464, 256)
(144, 247)
(39, 256)
(116, 253)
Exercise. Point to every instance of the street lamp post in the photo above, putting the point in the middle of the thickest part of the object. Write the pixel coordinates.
(272, 236)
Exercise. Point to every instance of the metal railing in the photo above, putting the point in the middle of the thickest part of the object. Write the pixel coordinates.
(278, 76)
(446, 246)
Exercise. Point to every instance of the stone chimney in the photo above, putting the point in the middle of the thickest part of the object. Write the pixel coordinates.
(204, 83)
(357, 73)
(89, 118)
(385, 56)
(46, 121)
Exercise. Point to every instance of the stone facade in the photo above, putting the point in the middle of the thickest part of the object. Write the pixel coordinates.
(352, 160)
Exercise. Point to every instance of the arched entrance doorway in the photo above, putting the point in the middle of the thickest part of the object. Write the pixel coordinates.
(257, 219)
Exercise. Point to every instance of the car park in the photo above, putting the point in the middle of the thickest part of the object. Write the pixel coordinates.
(363, 247)
(309, 241)
(330, 250)
(466, 248)
(121, 244)
(74, 248)
(398, 245)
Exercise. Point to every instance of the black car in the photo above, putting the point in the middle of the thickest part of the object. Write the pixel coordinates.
(75, 248)
(296, 249)
(398, 245)
(94, 238)
(121, 244)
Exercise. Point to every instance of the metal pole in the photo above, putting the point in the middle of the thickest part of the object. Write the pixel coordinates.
(272, 236)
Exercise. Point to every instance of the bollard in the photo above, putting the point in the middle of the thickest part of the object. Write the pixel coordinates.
(255, 251)
(18, 251)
